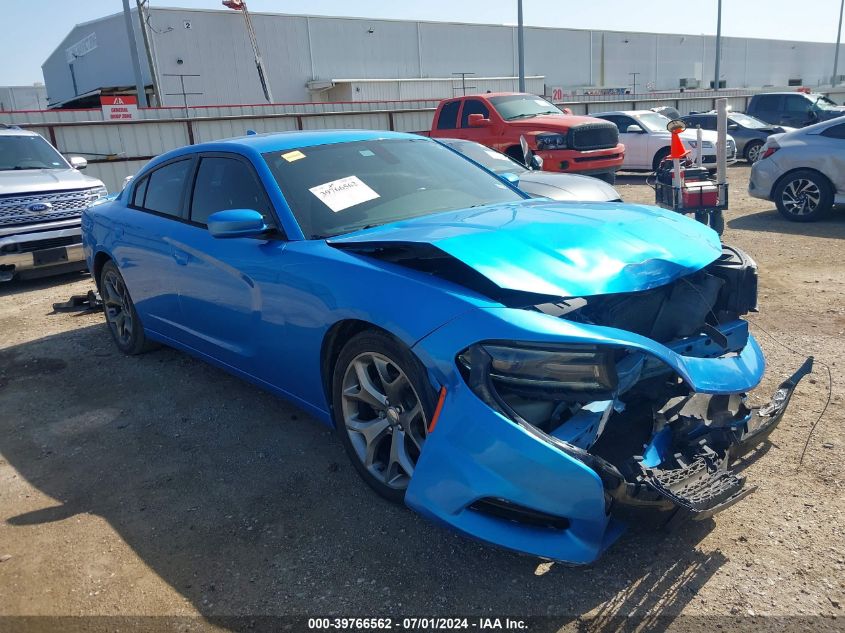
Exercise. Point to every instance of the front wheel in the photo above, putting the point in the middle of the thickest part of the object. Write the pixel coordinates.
(804, 196)
(753, 151)
(382, 408)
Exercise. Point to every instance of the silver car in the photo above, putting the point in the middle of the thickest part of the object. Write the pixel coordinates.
(42, 197)
(803, 172)
(539, 184)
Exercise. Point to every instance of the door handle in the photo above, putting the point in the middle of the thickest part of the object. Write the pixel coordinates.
(181, 257)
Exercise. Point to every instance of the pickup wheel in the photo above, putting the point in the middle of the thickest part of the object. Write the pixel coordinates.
(121, 317)
(804, 196)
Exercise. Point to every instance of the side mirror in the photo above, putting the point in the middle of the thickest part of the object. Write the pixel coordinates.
(536, 162)
(634, 129)
(77, 162)
(510, 178)
(478, 120)
(236, 223)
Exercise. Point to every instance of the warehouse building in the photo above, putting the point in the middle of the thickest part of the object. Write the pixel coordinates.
(205, 57)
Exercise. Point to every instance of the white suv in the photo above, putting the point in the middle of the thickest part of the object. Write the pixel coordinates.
(647, 140)
(42, 197)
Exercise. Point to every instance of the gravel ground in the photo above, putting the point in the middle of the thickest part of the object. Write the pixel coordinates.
(159, 486)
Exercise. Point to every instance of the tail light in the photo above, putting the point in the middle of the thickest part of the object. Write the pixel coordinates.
(769, 151)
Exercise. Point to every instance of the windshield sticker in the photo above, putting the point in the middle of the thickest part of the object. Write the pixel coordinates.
(366, 152)
(341, 194)
(292, 156)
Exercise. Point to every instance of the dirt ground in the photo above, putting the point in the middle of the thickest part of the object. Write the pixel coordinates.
(159, 486)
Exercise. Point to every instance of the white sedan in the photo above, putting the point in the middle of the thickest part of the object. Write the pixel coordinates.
(647, 140)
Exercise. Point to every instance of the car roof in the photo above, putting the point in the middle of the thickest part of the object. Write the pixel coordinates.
(787, 92)
(15, 131)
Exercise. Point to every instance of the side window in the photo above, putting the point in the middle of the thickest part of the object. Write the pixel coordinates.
(226, 183)
(140, 192)
(708, 122)
(448, 119)
(473, 106)
(837, 131)
(797, 105)
(768, 103)
(162, 189)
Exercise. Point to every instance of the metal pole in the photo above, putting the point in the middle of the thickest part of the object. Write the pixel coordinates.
(133, 54)
(718, 45)
(836, 52)
(520, 45)
(143, 16)
(721, 143)
(259, 63)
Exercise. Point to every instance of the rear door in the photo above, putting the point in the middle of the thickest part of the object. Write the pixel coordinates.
(220, 280)
(447, 119)
(833, 150)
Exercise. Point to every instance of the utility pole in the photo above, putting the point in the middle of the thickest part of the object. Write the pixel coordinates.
(133, 54)
(718, 45)
(143, 6)
(634, 82)
(464, 86)
(520, 45)
(184, 94)
(836, 52)
(240, 5)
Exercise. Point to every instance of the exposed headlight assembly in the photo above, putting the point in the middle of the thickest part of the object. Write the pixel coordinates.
(551, 141)
(544, 371)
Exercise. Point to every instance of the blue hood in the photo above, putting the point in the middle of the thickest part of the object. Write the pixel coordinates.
(559, 249)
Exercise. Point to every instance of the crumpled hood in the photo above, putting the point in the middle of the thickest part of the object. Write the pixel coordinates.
(556, 248)
(25, 181)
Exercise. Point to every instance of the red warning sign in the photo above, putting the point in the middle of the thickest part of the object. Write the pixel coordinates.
(119, 108)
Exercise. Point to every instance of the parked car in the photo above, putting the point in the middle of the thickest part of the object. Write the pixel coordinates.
(42, 196)
(803, 171)
(565, 142)
(534, 182)
(647, 140)
(749, 133)
(493, 361)
(795, 109)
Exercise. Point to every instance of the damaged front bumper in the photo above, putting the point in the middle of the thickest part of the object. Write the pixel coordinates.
(490, 474)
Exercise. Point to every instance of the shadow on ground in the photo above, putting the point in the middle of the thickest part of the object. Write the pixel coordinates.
(247, 507)
(832, 226)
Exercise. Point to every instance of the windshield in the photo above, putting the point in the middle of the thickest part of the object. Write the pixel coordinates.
(747, 121)
(522, 106)
(652, 121)
(823, 103)
(495, 161)
(343, 187)
(28, 152)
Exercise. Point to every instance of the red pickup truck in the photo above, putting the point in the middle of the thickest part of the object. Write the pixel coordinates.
(565, 142)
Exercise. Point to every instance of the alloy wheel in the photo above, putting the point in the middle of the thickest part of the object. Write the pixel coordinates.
(753, 154)
(801, 197)
(116, 302)
(384, 418)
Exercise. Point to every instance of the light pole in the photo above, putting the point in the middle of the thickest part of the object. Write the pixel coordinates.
(520, 45)
(718, 45)
(133, 55)
(836, 52)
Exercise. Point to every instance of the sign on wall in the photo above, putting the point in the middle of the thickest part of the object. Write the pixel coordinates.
(557, 94)
(121, 108)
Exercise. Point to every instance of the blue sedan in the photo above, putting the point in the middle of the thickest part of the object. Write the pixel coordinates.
(516, 369)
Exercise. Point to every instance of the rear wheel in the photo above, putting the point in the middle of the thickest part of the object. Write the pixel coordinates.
(753, 151)
(804, 196)
(382, 408)
(121, 317)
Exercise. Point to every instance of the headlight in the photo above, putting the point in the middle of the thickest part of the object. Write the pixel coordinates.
(545, 370)
(704, 144)
(98, 192)
(551, 141)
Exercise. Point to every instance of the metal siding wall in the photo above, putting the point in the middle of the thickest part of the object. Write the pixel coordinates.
(364, 121)
(487, 51)
(413, 121)
(562, 55)
(113, 173)
(228, 128)
(128, 139)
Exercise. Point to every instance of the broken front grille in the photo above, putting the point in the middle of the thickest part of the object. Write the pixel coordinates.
(60, 205)
(594, 136)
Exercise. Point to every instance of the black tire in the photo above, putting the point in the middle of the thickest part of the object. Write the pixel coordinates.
(717, 221)
(803, 196)
(752, 151)
(515, 152)
(662, 153)
(409, 433)
(122, 319)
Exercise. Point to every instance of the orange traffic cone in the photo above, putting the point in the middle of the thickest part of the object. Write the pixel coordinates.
(677, 149)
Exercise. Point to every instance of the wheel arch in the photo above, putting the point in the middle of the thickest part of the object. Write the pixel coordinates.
(100, 260)
(788, 174)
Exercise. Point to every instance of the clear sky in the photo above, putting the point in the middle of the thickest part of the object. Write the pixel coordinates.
(33, 28)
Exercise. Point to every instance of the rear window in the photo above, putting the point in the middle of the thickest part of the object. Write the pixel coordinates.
(768, 103)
